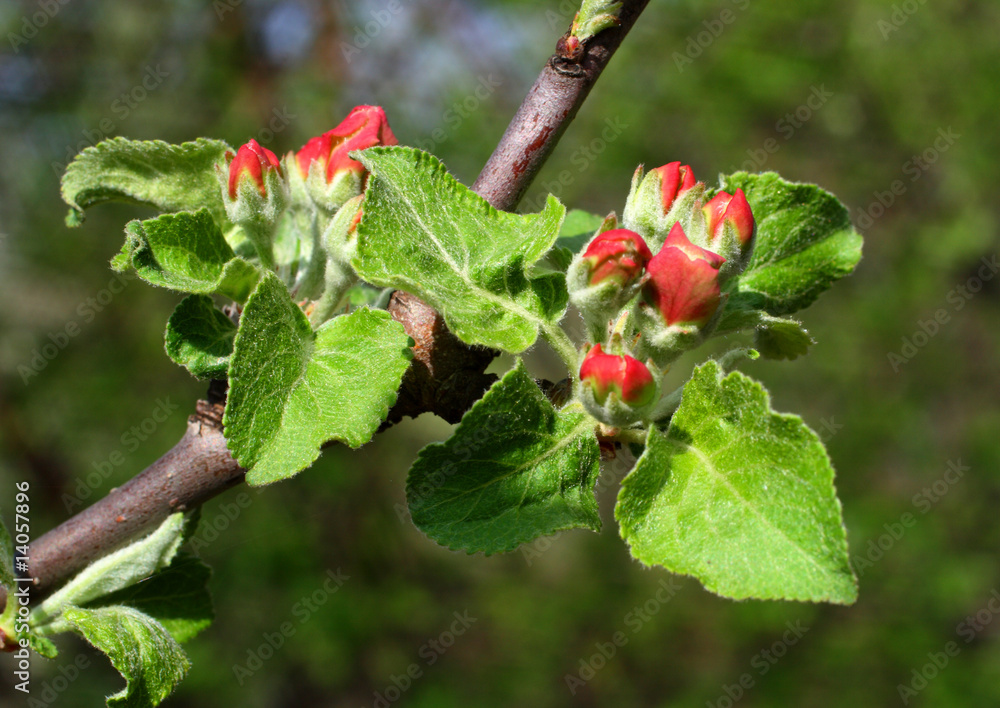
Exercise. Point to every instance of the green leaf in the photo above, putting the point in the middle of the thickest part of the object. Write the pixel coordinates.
(738, 496)
(200, 337)
(139, 647)
(177, 597)
(514, 469)
(426, 233)
(187, 252)
(774, 337)
(113, 572)
(42, 646)
(7, 578)
(151, 172)
(780, 338)
(804, 243)
(291, 390)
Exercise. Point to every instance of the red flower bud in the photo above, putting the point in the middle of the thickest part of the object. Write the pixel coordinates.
(733, 209)
(683, 283)
(618, 255)
(253, 160)
(364, 127)
(675, 179)
(626, 376)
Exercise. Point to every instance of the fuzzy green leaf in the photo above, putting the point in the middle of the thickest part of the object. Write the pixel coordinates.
(42, 646)
(804, 243)
(186, 252)
(200, 337)
(738, 496)
(514, 469)
(292, 389)
(780, 338)
(426, 233)
(115, 571)
(140, 648)
(151, 172)
(6, 558)
(177, 597)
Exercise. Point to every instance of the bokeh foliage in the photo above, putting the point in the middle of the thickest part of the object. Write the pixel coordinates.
(449, 76)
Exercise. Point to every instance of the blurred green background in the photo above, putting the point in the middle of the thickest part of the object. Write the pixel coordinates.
(856, 96)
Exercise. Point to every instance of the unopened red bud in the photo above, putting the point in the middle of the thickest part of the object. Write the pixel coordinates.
(364, 127)
(683, 283)
(253, 161)
(624, 375)
(619, 255)
(675, 180)
(734, 210)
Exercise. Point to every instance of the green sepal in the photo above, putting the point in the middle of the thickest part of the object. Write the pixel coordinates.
(514, 469)
(151, 172)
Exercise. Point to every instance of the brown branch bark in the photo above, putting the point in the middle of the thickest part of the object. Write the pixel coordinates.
(447, 376)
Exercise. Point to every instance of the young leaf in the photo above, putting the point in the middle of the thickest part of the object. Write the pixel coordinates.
(139, 647)
(291, 390)
(804, 243)
(199, 337)
(158, 174)
(514, 469)
(6, 558)
(780, 338)
(426, 233)
(115, 571)
(738, 496)
(177, 597)
(42, 646)
(186, 252)
(774, 337)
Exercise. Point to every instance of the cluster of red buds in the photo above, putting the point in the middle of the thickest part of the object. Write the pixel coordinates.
(659, 305)
(288, 209)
